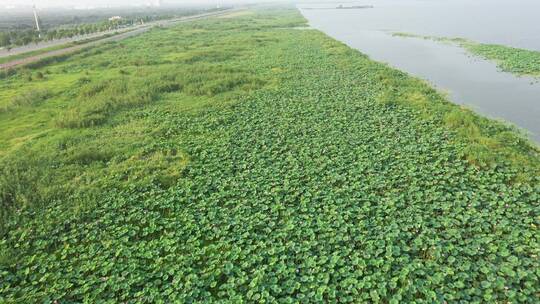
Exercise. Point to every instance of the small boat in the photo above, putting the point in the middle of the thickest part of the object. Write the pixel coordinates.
(354, 6)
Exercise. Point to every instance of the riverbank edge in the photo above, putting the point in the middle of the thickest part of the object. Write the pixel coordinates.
(487, 142)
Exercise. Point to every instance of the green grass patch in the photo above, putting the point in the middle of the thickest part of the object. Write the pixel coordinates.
(26, 99)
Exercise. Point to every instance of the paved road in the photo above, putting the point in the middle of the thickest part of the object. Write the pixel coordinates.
(122, 35)
(57, 42)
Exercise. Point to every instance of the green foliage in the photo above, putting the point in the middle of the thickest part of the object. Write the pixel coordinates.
(509, 59)
(27, 99)
(97, 101)
(294, 171)
(4, 39)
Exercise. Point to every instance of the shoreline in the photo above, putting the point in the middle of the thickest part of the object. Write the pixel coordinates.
(486, 85)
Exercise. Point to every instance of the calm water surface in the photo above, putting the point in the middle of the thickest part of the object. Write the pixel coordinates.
(469, 80)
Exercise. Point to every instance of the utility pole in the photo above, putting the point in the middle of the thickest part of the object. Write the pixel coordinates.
(37, 21)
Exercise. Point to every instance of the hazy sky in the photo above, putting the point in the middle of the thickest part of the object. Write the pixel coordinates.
(72, 3)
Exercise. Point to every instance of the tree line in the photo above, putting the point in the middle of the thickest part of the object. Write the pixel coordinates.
(21, 37)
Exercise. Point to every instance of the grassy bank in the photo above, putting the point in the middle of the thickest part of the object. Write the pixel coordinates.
(518, 61)
(240, 159)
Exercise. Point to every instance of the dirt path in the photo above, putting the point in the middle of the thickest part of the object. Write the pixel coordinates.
(120, 36)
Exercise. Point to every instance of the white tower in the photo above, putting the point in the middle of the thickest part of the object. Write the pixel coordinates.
(37, 21)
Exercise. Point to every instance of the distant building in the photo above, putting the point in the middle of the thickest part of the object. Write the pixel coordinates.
(153, 3)
(115, 18)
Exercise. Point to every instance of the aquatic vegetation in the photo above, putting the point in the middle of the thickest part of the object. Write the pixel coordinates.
(294, 170)
(509, 59)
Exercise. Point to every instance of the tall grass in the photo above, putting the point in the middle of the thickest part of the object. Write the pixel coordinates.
(30, 98)
(99, 100)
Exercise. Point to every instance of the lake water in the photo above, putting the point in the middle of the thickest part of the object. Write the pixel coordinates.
(469, 80)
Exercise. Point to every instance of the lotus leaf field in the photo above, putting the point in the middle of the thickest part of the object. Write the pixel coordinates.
(242, 160)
